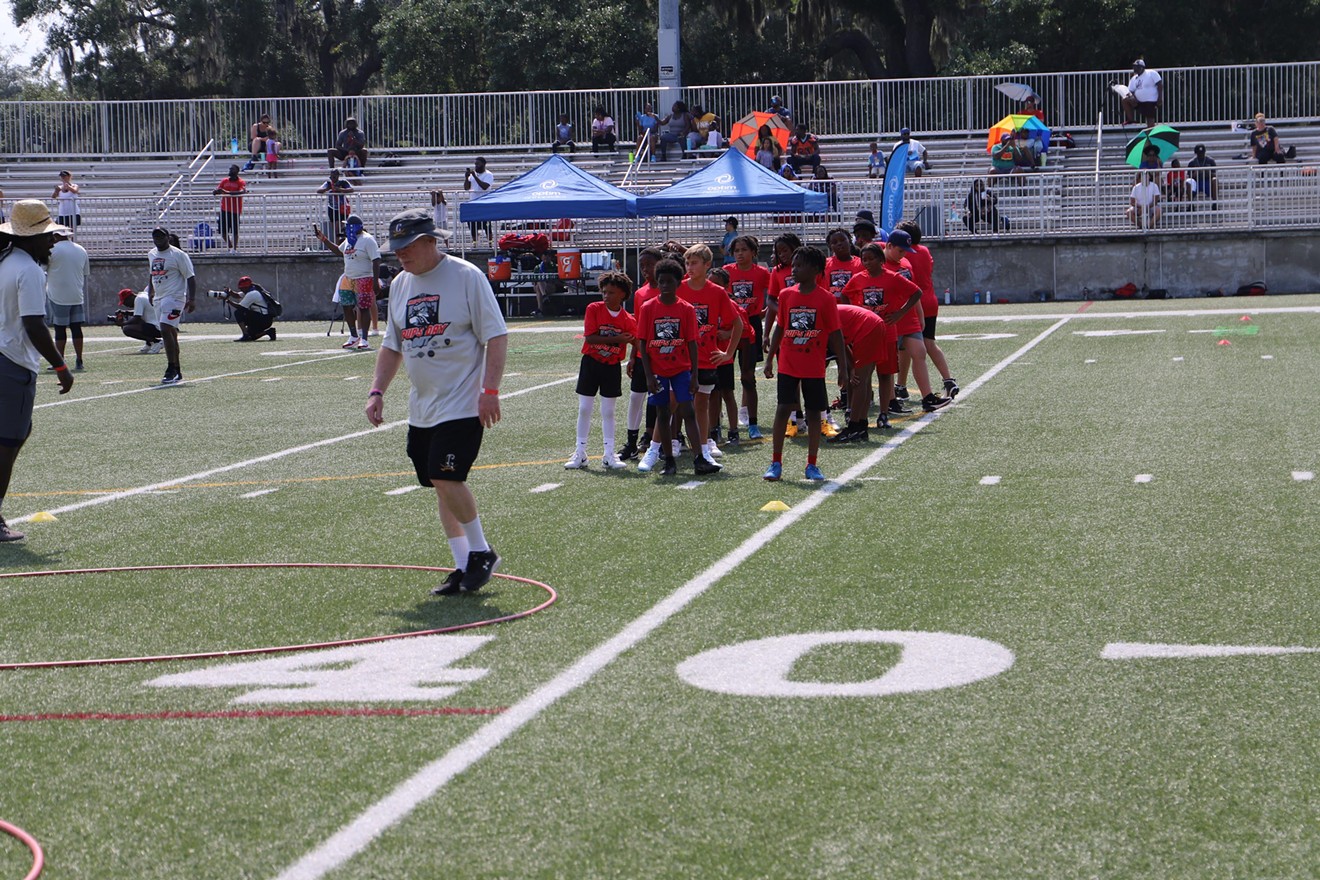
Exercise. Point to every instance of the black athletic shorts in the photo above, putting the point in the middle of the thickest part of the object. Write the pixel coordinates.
(724, 376)
(228, 222)
(597, 378)
(446, 451)
(18, 392)
(814, 398)
(639, 378)
(749, 351)
(928, 331)
(707, 377)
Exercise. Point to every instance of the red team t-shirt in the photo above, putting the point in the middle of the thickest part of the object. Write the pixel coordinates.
(923, 270)
(599, 322)
(867, 336)
(715, 312)
(885, 294)
(231, 204)
(666, 331)
(807, 320)
(839, 272)
(748, 290)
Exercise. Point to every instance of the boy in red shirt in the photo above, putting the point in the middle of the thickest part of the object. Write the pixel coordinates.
(667, 329)
(907, 320)
(872, 290)
(715, 313)
(724, 382)
(606, 332)
(807, 324)
(637, 405)
(841, 265)
(923, 271)
(749, 287)
(869, 343)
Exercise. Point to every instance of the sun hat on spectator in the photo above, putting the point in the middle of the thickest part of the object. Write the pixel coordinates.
(30, 217)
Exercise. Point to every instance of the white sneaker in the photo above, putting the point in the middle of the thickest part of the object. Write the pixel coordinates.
(352, 343)
(742, 417)
(712, 462)
(363, 345)
(649, 460)
(611, 461)
(146, 349)
(157, 348)
(712, 451)
(577, 462)
(678, 449)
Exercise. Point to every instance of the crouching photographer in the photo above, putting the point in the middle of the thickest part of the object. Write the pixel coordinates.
(136, 316)
(255, 310)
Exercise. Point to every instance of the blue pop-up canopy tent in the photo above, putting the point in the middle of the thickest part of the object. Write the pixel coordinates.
(732, 184)
(556, 188)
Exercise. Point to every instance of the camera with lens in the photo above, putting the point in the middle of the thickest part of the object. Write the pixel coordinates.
(218, 294)
(117, 318)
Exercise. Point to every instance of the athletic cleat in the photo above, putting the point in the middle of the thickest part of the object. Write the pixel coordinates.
(733, 439)
(577, 462)
(705, 466)
(813, 473)
(270, 333)
(898, 409)
(8, 534)
(882, 422)
(774, 472)
(352, 343)
(742, 416)
(481, 565)
(670, 468)
(951, 389)
(363, 345)
(901, 392)
(156, 347)
(78, 366)
(828, 430)
(627, 452)
(753, 432)
(843, 436)
(859, 434)
(933, 401)
(146, 349)
(712, 451)
(649, 460)
(449, 586)
(612, 462)
(791, 431)
(172, 377)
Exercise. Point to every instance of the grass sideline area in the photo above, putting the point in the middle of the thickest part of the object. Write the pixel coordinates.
(718, 691)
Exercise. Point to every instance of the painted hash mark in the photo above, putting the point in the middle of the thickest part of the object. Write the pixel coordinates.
(1142, 478)
(1303, 476)
(259, 493)
(691, 484)
(403, 490)
(546, 487)
(990, 481)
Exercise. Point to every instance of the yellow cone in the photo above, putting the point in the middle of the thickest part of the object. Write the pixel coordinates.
(775, 507)
(43, 516)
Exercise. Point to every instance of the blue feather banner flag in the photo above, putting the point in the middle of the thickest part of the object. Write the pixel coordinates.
(891, 206)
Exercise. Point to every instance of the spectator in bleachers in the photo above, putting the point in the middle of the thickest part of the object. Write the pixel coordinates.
(648, 126)
(1150, 158)
(1025, 157)
(1002, 159)
(875, 163)
(982, 208)
(1264, 144)
(602, 130)
(439, 209)
(1031, 107)
(803, 149)
(337, 207)
(1175, 182)
(674, 129)
(822, 182)
(231, 190)
(918, 158)
(350, 138)
(786, 171)
(702, 123)
(777, 107)
(768, 151)
(563, 135)
(1203, 177)
(484, 180)
(258, 133)
(272, 153)
(1144, 203)
(1145, 94)
(66, 192)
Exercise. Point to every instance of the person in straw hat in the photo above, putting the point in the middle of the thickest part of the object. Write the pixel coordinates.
(25, 245)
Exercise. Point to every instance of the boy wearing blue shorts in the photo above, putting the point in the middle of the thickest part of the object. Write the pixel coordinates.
(667, 331)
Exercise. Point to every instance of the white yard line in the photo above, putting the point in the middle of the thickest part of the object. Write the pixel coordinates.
(546, 487)
(259, 493)
(1143, 478)
(990, 481)
(261, 459)
(403, 490)
(354, 837)
(1303, 476)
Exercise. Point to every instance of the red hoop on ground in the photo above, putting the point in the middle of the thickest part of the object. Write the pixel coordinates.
(280, 649)
(38, 857)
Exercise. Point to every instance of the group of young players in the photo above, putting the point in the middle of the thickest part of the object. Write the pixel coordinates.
(870, 306)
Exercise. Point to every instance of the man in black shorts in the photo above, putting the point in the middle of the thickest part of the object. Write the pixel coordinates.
(24, 339)
(444, 326)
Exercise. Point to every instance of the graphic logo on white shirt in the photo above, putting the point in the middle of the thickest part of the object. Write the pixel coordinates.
(423, 320)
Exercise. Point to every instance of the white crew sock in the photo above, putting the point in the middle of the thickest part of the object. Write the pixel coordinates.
(585, 405)
(636, 410)
(459, 547)
(607, 422)
(476, 538)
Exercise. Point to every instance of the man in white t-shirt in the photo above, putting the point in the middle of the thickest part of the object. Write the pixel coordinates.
(484, 180)
(362, 272)
(252, 311)
(1144, 204)
(136, 316)
(917, 158)
(444, 327)
(66, 289)
(1145, 94)
(24, 339)
(172, 286)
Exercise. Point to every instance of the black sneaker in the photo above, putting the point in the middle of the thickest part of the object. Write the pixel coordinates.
(8, 534)
(859, 434)
(450, 585)
(172, 377)
(671, 467)
(733, 438)
(704, 466)
(951, 389)
(901, 392)
(480, 566)
(627, 452)
(843, 436)
(882, 422)
(933, 401)
(271, 334)
(897, 408)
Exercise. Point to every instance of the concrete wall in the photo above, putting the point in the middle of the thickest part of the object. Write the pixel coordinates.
(1011, 268)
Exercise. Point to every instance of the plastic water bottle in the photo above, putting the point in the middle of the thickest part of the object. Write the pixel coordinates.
(976, 297)
(947, 299)
(988, 300)
(233, 145)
